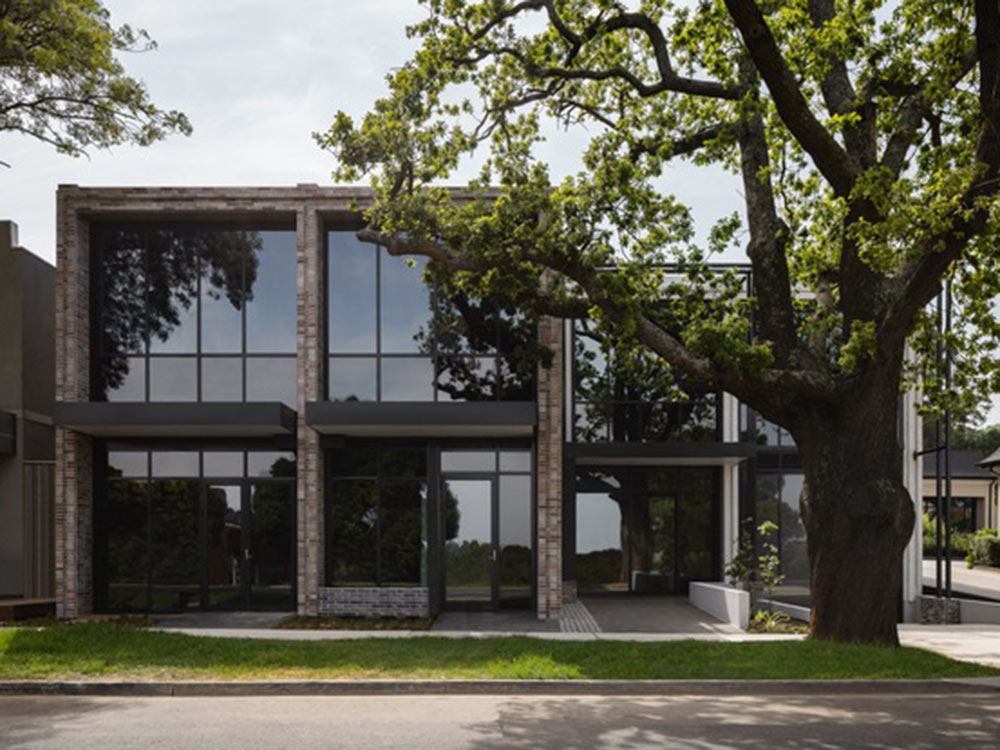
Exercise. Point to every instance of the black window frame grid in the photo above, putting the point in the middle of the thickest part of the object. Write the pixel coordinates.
(496, 355)
(98, 355)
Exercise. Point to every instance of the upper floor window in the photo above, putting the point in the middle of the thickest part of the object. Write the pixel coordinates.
(623, 397)
(391, 337)
(188, 312)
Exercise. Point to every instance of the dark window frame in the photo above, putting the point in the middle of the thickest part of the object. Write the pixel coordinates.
(98, 355)
(435, 356)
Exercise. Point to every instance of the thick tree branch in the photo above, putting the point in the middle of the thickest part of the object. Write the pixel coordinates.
(776, 387)
(829, 157)
(768, 239)
(678, 147)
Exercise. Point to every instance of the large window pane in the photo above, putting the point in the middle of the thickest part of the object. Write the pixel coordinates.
(272, 535)
(351, 279)
(270, 292)
(126, 527)
(221, 379)
(468, 461)
(794, 554)
(222, 293)
(406, 312)
(271, 464)
(175, 550)
(173, 291)
(352, 379)
(352, 519)
(515, 537)
(402, 510)
(407, 379)
(467, 378)
(122, 379)
(600, 564)
(173, 379)
(121, 254)
(222, 464)
(271, 379)
(224, 545)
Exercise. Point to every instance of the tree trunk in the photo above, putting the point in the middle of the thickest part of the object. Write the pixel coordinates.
(858, 517)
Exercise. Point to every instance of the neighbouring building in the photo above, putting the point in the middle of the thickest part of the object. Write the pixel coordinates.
(973, 490)
(256, 410)
(27, 443)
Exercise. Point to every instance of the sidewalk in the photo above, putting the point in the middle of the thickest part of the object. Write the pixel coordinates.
(975, 643)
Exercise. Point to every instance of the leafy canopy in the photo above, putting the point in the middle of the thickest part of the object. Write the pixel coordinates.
(865, 133)
(62, 83)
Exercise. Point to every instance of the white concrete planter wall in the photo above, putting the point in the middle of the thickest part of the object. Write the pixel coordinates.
(792, 610)
(977, 612)
(722, 601)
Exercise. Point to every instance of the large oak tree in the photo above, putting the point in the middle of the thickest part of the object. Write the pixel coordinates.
(865, 134)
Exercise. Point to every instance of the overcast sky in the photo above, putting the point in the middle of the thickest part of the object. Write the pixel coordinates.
(256, 78)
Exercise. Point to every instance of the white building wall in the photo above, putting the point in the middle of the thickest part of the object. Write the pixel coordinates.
(912, 441)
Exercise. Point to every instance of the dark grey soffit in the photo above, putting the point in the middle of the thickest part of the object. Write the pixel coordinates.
(8, 432)
(420, 419)
(665, 453)
(182, 419)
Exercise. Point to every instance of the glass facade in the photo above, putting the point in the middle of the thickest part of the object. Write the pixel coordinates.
(391, 337)
(376, 517)
(181, 530)
(620, 397)
(193, 312)
(646, 530)
(778, 491)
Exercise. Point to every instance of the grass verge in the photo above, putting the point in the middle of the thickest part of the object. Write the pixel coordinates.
(101, 651)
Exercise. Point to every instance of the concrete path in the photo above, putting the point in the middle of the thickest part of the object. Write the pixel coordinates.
(984, 582)
(701, 722)
(654, 615)
(976, 643)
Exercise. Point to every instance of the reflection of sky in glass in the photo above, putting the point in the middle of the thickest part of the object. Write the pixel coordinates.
(133, 387)
(221, 379)
(474, 510)
(352, 379)
(221, 320)
(598, 522)
(271, 379)
(515, 510)
(407, 379)
(271, 311)
(405, 304)
(175, 463)
(182, 338)
(173, 379)
(222, 464)
(351, 285)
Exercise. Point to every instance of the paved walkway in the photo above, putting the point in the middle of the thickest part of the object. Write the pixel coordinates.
(653, 615)
(976, 643)
(984, 582)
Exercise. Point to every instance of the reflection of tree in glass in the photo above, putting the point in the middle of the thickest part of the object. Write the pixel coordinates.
(630, 396)
(466, 335)
(150, 278)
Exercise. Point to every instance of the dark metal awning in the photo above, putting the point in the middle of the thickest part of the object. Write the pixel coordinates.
(8, 432)
(185, 419)
(420, 419)
(675, 453)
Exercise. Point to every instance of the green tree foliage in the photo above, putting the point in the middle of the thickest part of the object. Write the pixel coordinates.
(867, 138)
(63, 84)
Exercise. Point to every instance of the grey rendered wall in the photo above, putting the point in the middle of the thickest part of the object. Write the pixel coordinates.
(11, 547)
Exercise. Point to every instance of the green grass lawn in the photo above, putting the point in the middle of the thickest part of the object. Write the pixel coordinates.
(107, 651)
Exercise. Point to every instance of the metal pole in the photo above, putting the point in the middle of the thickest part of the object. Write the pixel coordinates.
(937, 463)
(947, 441)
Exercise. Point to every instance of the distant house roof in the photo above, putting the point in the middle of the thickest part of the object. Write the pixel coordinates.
(991, 460)
(965, 464)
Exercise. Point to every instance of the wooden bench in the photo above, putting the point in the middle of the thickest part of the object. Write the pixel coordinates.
(22, 609)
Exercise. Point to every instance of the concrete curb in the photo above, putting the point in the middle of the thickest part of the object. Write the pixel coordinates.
(501, 687)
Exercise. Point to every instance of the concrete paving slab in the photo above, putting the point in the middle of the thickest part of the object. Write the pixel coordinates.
(975, 643)
(652, 614)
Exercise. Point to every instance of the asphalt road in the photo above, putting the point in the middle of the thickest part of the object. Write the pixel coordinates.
(914, 722)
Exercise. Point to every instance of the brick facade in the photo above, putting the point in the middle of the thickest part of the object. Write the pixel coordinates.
(375, 601)
(550, 468)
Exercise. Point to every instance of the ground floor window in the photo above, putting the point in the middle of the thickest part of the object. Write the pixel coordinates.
(646, 529)
(178, 530)
(777, 500)
(963, 513)
(376, 516)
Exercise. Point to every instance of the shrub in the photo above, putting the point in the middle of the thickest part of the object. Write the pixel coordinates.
(985, 550)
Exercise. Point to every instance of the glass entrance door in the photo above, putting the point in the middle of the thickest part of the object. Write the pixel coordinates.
(249, 545)
(470, 544)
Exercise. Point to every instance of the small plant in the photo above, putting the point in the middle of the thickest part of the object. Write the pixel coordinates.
(770, 621)
(769, 561)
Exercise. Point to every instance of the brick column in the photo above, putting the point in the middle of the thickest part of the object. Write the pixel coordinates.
(309, 486)
(74, 452)
(549, 480)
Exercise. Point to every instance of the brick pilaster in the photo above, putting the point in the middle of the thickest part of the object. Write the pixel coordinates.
(310, 526)
(549, 482)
